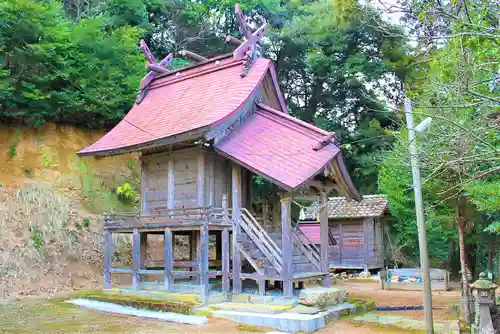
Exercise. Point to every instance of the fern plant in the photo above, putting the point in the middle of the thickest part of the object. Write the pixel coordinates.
(126, 192)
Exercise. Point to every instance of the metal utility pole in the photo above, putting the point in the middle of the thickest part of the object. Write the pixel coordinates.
(419, 207)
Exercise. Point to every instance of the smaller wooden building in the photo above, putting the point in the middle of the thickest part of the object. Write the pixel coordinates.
(356, 231)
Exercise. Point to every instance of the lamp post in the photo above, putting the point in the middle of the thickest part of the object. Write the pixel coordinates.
(419, 208)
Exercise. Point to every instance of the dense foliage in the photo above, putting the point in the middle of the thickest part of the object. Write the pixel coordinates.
(78, 62)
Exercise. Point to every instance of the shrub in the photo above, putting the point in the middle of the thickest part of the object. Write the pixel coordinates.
(13, 144)
(126, 192)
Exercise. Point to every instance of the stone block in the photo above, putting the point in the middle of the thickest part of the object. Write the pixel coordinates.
(240, 298)
(321, 297)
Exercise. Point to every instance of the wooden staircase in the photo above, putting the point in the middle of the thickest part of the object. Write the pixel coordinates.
(262, 253)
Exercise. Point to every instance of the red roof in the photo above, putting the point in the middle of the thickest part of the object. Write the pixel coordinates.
(185, 101)
(278, 146)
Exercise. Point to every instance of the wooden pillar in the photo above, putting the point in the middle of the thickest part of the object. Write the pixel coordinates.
(168, 259)
(341, 245)
(218, 245)
(262, 286)
(287, 246)
(203, 262)
(225, 260)
(194, 243)
(201, 184)
(171, 184)
(144, 249)
(108, 256)
(323, 218)
(211, 181)
(144, 188)
(366, 226)
(225, 246)
(136, 258)
(265, 218)
(236, 184)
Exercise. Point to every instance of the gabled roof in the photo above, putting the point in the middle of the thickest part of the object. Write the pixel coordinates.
(188, 102)
(279, 147)
(341, 207)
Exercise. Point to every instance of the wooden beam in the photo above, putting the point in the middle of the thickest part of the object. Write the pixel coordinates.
(192, 55)
(168, 259)
(225, 260)
(203, 261)
(108, 256)
(233, 40)
(152, 74)
(246, 46)
(324, 141)
(136, 256)
(287, 246)
(236, 184)
(324, 238)
(158, 69)
(145, 49)
(242, 21)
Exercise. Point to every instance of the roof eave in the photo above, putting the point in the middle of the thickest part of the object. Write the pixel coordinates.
(174, 139)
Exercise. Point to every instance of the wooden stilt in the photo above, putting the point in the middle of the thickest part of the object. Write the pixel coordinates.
(262, 287)
(287, 246)
(168, 259)
(218, 246)
(136, 258)
(203, 261)
(108, 254)
(323, 217)
(194, 242)
(225, 260)
(236, 183)
(143, 252)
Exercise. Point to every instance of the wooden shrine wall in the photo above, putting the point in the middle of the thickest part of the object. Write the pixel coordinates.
(172, 179)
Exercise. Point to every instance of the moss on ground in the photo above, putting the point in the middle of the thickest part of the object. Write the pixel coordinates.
(147, 303)
(250, 328)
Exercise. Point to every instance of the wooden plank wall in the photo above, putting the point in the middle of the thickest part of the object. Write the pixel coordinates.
(155, 179)
(350, 250)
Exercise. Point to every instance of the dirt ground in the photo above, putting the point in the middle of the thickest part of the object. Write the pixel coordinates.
(46, 316)
(442, 301)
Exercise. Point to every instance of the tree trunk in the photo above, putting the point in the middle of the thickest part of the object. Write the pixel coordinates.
(463, 265)
(498, 268)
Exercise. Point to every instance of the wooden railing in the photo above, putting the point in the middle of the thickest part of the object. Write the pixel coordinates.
(261, 239)
(163, 215)
(306, 247)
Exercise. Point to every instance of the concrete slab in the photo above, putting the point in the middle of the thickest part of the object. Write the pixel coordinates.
(288, 321)
(253, 308)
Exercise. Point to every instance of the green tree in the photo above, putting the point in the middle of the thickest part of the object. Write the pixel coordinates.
(54, 69)
(339, 68)
(459, 152)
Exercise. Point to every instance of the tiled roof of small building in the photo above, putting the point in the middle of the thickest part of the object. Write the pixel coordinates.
(340, 207)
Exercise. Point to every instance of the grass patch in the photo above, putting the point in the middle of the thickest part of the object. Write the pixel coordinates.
(13, 144)
(250, 328)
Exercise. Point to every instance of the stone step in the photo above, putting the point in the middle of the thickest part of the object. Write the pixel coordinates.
(253, 308)
(289, 321)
